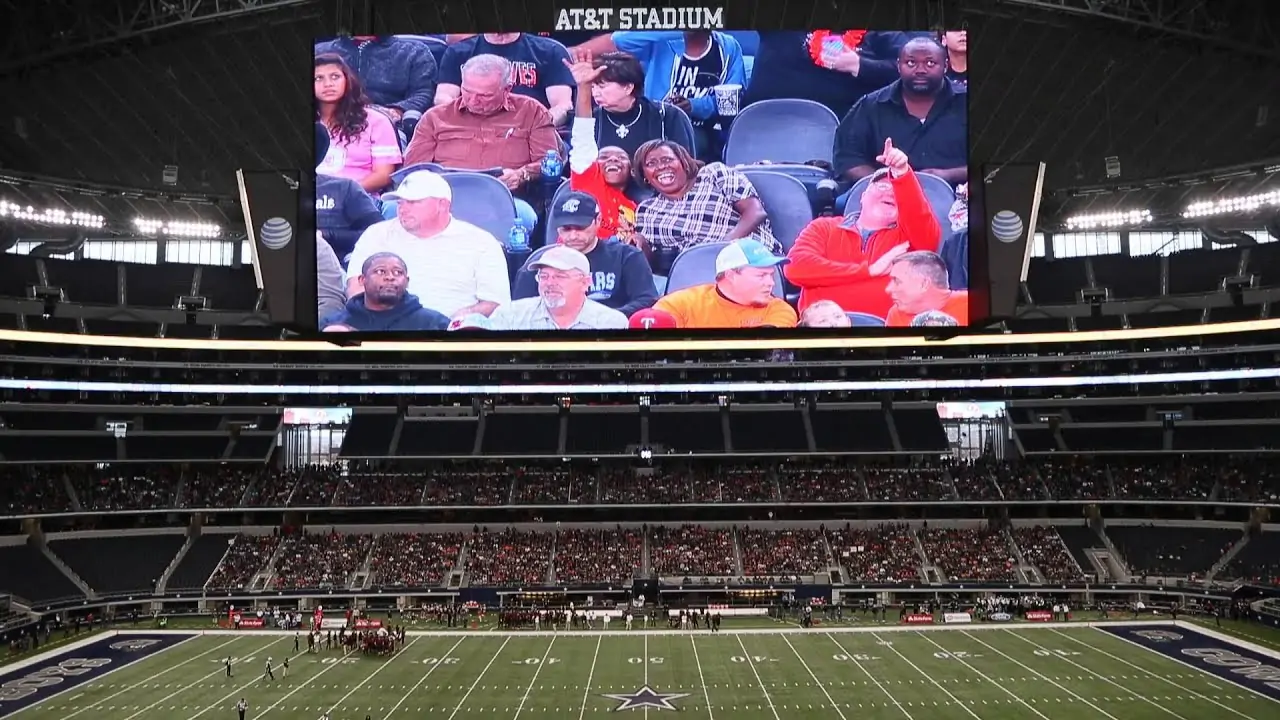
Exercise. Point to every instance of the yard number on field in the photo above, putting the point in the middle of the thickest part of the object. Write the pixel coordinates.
(535, 661)
(640, 661)
(753, 658)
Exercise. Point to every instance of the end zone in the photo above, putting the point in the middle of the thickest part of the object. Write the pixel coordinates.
(35, 680)
(1232, 660)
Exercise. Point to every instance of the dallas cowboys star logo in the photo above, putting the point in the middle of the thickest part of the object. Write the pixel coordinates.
(646, 697)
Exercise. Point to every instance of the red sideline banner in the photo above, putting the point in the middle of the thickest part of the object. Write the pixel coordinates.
(250, 622)
(368, 624)
(957, 618)
(918, 619)
(1039, 616)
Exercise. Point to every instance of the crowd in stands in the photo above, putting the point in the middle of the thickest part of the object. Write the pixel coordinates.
(320, 560)
(794, 551)
(247, 556)
(598, 556)
(27, 489)
(620, 147)
(509, 557)
(887, 553)
(414, 560)
(970, 554)
(1043, 548)
(691, 550)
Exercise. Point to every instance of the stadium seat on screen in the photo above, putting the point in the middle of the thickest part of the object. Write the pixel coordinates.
(399, 175)
(861, 319)
(748, 39)
(787, 202)
(684, 136)
(483, 201)
(938, 191)
(561, 191)
(782, 130)
(697, 266)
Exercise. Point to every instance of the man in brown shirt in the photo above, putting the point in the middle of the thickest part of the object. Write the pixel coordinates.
(487, 126)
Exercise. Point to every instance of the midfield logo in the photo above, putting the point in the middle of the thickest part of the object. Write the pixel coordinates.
(646, 697)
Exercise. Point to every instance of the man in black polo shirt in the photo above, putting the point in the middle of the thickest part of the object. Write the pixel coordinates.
(922, 112)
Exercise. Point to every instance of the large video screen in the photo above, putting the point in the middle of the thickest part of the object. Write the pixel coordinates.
(642, 181)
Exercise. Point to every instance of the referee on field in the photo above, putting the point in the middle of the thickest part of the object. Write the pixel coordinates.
(241, 707)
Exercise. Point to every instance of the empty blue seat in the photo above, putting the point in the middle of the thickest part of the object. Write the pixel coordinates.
(782, 130)
(483, 201)
(697, 266)
(861, 319)
(787, 202)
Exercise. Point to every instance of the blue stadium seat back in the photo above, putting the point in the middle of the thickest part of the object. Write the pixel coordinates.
(748, 39)
(697, 266)
(552, 212)
(938, 191)
(398, 176)
(861, 319)
(782, 130)
(483, 201)
(684, 134)
(786, 200)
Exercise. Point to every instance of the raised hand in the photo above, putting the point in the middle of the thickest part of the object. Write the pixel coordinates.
(894, 159)
(582, 68)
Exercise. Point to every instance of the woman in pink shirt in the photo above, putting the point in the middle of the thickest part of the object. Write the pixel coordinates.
(364, 147)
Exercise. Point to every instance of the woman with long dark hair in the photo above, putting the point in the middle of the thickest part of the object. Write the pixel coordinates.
(363, 143)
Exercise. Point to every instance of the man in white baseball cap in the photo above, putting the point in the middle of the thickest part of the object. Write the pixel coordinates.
(564, 277)
(456, 268)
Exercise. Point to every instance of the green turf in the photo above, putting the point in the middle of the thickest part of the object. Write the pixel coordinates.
(1019, 672)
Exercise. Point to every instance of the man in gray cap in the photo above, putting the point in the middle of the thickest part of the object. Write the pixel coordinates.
(564, 277)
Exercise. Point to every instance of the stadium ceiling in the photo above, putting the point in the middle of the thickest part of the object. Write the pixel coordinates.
(113, 91)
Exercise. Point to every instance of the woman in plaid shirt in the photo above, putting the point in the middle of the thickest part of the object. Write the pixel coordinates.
(694, 206)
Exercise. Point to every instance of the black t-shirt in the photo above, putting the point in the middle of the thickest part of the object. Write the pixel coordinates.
(958, 78)
(694, 77)
(785, 69)
(646, 121)
(537, 62)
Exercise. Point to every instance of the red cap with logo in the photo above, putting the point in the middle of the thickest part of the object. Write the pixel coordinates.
(650, 319)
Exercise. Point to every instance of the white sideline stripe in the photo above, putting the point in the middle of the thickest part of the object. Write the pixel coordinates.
(118, 669)
(755, 631)
(1229, 639)
(1104, 678)
(423, 679)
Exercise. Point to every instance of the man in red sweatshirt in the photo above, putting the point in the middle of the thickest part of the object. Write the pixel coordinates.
(847, 259)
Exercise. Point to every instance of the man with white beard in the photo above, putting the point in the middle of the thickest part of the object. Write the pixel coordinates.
(564, 277)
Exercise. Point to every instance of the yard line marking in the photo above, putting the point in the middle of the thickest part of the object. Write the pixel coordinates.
(1101, 677)
(1091, 646)
(127, 687)
(183, 688)
(646, 670)
(1038, 674)
(821, 687)
(257, 679)
(926, 675)
(752, 663)
(869, 675)
(379, 669)
(980, 674)
(543, 661)
(479, 677)
(590, 676)
(693, 640)
(423, 679)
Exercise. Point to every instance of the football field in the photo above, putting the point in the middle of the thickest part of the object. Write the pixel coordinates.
(1045, 672)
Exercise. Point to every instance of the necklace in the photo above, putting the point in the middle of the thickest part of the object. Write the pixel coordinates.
(625, 129)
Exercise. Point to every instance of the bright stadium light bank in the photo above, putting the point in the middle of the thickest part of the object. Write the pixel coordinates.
(608, 19)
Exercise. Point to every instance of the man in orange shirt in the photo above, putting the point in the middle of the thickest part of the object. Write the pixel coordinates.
(847, 260)
(918, 285)
(741, 297)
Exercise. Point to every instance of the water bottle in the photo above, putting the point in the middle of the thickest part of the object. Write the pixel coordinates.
(552, 167)
(518, 238)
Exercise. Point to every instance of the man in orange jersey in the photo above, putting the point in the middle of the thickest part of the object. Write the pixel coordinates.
(847, 259)
(741, 296)
(918, 284)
